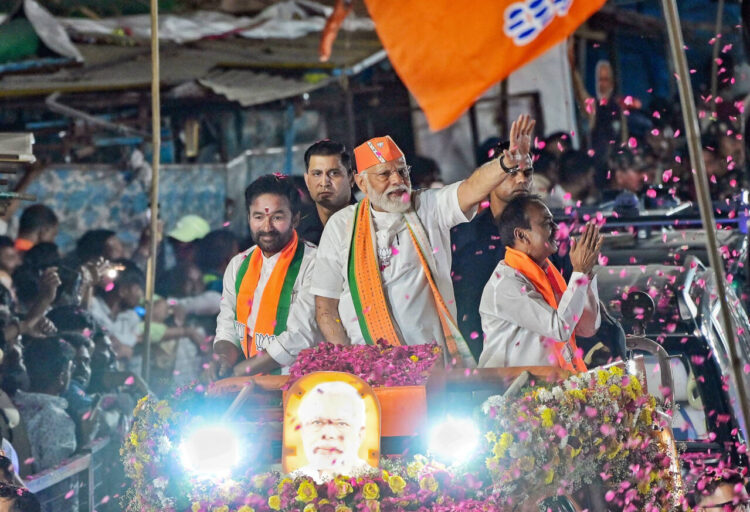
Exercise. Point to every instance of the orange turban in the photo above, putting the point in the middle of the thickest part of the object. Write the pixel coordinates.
(378, 150)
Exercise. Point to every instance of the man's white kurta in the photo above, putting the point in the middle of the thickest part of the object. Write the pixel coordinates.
(520, 327)
(404, 281)
(301, 328)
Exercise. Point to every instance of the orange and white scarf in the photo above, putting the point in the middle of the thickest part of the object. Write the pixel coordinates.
(277, 294)
(547, 283)
(366, 286)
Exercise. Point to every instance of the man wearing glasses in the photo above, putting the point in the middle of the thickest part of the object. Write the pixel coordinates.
(383, 266)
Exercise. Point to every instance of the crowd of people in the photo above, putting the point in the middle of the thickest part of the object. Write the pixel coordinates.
(355, 255)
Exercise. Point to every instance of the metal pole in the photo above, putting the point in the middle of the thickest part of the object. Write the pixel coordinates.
(715, 52)
(690, 119)
(156, 142)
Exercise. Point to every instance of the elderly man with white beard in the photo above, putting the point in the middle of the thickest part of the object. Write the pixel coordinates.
(382, 270)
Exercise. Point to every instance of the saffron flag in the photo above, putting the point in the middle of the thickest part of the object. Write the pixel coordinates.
(449, 52)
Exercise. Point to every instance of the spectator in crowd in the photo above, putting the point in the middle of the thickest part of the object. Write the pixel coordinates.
(558, 143)
(175, 346)
(113, 308)
(80, 403)
(51, 430)
(183, 240)
(216, 251)
(38, 223)
(99, 243)
(10, 260)
(425, 173)
(529, 315)
(329, 179)
(267, 310)
(17, 499)
(477, 249)
(546, 173)
(576, 186)
(629, 174)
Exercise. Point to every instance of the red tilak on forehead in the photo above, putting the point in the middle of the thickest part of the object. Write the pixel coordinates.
(266, 209)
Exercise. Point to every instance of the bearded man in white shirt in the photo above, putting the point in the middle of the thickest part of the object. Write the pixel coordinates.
(267, 313)
(530, 316)
(383, 265)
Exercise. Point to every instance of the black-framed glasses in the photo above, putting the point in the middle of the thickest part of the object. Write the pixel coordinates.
(403, 173)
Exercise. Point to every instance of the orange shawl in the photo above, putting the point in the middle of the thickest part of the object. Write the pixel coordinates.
(547, 283)
(274, 304)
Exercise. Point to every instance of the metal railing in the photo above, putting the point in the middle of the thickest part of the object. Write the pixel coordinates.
(72, 486)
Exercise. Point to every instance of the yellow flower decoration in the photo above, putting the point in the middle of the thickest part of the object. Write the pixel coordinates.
(428, 483)
(549, 476)
(310, 507)
(306, 492)
(371, 491)
(223, 508)
(414, 468)
(548, 417)
(246, 508)
(196, 507)
(283, 483)
(343, 508)
(343, 488)
(414, 358)
(274, 502)
(373, 505)
(616, 372)
(134, 438)
(397, 484)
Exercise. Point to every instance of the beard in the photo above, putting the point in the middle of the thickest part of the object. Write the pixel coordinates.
(397, 204)
(271, 241)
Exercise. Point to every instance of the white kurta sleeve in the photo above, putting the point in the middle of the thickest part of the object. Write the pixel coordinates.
(520, 304)
(225, 326)
(442, 203)
(591, 317)
(330, 260)
(301, 327)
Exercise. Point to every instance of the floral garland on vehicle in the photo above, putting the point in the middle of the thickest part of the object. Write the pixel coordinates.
(590, 428)
(378, 365)
(420, 486)
(596, 427)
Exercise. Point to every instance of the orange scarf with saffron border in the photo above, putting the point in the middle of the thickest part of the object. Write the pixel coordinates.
(547, 283)
(366, 287)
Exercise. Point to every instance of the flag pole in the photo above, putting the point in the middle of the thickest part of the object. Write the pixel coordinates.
(700, 177)
(156, 143)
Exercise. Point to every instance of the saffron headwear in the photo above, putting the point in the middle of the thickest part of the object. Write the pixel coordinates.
(377, 150)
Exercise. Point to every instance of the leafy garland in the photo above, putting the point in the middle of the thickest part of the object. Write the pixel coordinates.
(591, 429)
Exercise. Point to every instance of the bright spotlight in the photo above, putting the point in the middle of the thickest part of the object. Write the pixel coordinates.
(210, 451)
(454, 439)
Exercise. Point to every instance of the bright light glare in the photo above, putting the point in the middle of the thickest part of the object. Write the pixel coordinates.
(112, 273)
(210, 451)
(454, 439)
